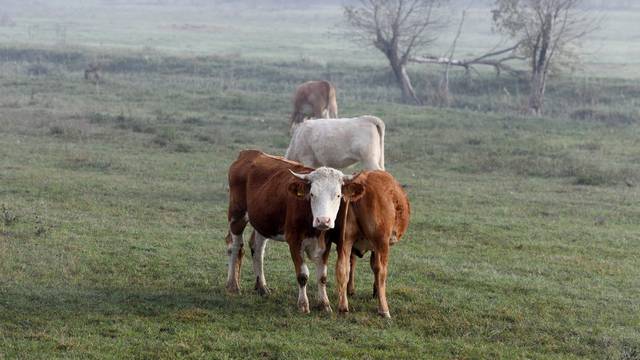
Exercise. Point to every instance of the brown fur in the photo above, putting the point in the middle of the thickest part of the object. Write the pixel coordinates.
(320, 96)
(276, 202)
(379, 217)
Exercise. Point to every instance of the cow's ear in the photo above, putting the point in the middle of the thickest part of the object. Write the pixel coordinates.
(353, 191)
(299, 189)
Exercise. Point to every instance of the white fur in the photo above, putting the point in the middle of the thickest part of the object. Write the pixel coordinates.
(236, 244)
(260, 242)
(321, 270)
(325, 193)
(311, 247)
(339, 143)
(303, 300)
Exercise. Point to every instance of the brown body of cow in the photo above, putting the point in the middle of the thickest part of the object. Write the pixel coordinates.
(263, 191)
(319, 96)
(376, 219)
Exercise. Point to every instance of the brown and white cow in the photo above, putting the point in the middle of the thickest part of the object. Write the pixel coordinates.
(282, 200)
(317, 96)
(339, 143)
(377, 216)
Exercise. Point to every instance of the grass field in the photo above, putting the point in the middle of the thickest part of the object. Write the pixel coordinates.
(523, 241)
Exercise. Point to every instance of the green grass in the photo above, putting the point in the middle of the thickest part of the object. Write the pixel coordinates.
(523, 241)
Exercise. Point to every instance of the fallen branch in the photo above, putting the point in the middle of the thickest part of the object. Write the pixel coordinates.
(487, 59)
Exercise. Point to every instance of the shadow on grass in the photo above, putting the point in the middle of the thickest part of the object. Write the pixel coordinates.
(23, 307)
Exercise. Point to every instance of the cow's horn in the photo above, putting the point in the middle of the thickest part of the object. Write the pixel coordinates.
(299, 176)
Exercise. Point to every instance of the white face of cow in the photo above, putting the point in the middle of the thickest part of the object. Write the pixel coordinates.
(325, 194)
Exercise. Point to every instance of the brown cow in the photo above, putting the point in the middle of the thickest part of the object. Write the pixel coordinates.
(283, 200)
(377, 217)
(320, 96)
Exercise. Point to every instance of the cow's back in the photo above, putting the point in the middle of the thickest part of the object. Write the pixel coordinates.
(313, 88)
(258, 188)
(257, 168)
(383, 207)
(339, 143)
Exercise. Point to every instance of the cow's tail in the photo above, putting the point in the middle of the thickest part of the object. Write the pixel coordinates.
(298, 112)
(380, 126)
(296, 117)
(332, 102)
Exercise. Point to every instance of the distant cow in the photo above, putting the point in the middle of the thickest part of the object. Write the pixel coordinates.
(339, 143)
(92, 72)
(317, 96)
(377, 217)
(283, 200)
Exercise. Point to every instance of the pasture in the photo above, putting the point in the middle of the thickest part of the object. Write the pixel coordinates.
(524, 239)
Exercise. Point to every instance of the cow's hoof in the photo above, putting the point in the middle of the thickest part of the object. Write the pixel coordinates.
(324, 307)
(384, 314)
(342, 311)
(304, 308)
(233, 288)
(351, 292)
(263, 291)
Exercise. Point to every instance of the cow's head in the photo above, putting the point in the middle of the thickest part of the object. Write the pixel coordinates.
(324, 188)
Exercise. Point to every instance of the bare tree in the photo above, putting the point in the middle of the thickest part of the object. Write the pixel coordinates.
(443, 89)
(396, 28)
(544, 30)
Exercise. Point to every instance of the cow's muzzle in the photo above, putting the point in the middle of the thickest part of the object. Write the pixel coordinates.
(322, 223)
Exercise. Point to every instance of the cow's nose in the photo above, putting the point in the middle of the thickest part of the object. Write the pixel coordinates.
(323, 222)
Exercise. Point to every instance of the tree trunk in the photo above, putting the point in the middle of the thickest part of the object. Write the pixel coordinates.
(536, 95)
(400, 72)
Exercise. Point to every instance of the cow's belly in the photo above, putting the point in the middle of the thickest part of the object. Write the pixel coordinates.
(279, 237)
(337, 160)
(265, 227)
(363, 245)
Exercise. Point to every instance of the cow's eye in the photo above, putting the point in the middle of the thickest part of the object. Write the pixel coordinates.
(339, 196)
(311, 194)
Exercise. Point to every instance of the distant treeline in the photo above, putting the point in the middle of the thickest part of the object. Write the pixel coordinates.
(8, 5)
(591, 4)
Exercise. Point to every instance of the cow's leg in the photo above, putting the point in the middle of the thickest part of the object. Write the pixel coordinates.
(371, 155)
(380, 258)
(342, 270)
(259, 243)
(351, 286)
(333, 108)
(371, 162)
(320, 110)
(372, 262)
(302, 275)
(321, 277)
(234, 250)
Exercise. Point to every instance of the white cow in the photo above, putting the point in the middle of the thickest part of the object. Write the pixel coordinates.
(339, 143)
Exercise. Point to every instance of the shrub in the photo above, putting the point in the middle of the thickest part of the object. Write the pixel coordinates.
(183, 148)
(165, 137)
(607, 117)
(65, 132)
(37, 70)
(194, 121)
(83, 162)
